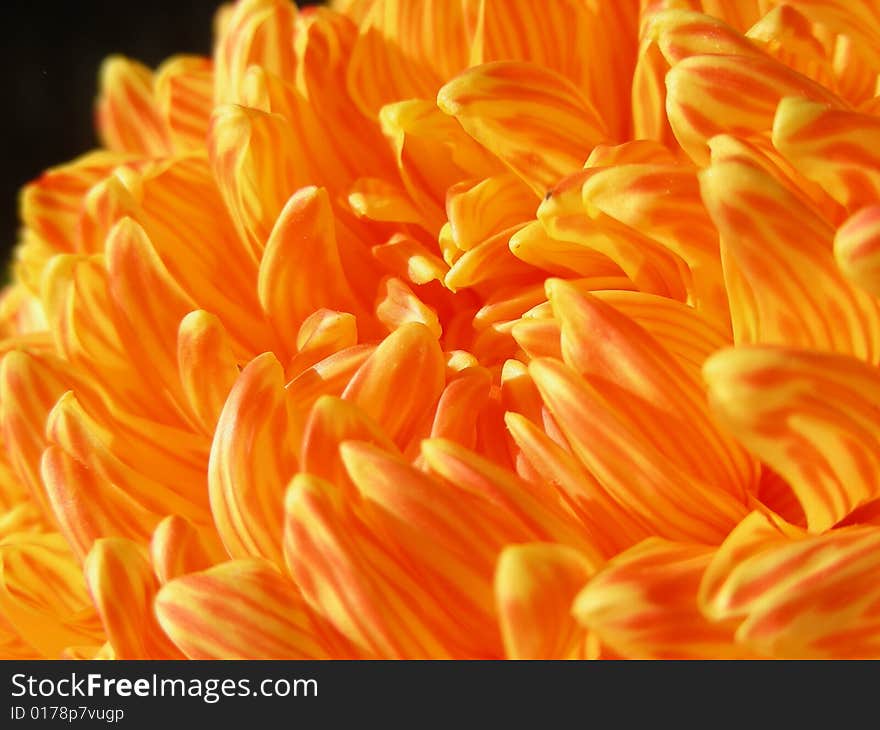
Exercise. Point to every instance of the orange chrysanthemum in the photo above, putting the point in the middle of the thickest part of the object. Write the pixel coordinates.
(453, 329)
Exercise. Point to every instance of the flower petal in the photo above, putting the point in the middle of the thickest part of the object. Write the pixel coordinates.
(122, 585)
(126, 113)
(206, 364)
(643, 605)
(779, 269)
(712, 94)
(251, 461)
(628, 466)
(300, 271)
(801, 597)
(810, 416)
(857, 248)
(833, 147)
(243, 609)
(514, 109)
(535, 585)
(385, 389)
(178, 547)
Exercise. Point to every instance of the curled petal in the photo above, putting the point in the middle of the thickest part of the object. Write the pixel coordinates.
(178, 547)
(126, 110)
(123, 587)
(515, 109)
(782, 282)
(243, 609)
(643, 605)
(713, 94)
(535, 586)
(251, 461)
(811, 416)
(384, 386)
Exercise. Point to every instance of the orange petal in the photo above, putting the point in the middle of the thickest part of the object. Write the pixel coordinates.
(808, 415)
(807, 598)
(537, 507)
(398, 305)
(253, 33)
(123, 587)
(127, 118)
(251, 461)
(651, 266)
(433, 154)
(857, 248)
(147, 325)
(353, 579)
(479, 210)
(43, 598)
(322, 334)
(29, 387)
(536, 122)
(645, 387)
(331, 422)
(184, 99)
(384, 387)
(50, 206)
(628, 466)
(255, 163)
(643, 605)
(411, 46)
(833, 147)
(535, 585)
(782, 282)
(300, 271)
(102, 451)
(713, 94)
(88, 507)
(206, 364)
(178, 548)
(411, 260)
(243, 609)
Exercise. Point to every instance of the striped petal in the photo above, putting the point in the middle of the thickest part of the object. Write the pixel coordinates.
(184, 90)
(255, 162)
(126, 113)
(811, 416)
(251, 461)
(302, 245)
(206, 364)
(783, 285)
(833, 147)
(123, 587)
(535, 585)
(643, 605)
(385, 389)
(714, 94)
(406, 48)
(243, 609)
(43, 597)
(801, 598)
(354, 580)
(642, 384)
(178, 547)
(628, 466)
(253, 33)
(515, 109)
(857, 249)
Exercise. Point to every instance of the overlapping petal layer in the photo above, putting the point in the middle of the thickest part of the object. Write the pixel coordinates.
(456, 329)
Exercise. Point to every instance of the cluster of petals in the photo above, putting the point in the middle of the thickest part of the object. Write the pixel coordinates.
(457, 329)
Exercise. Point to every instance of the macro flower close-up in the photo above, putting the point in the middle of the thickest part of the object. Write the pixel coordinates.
(456, 329)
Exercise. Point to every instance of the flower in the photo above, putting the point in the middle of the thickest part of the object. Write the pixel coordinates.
(466, 329)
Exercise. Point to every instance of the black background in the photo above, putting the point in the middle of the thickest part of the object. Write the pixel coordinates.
(49, 58)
